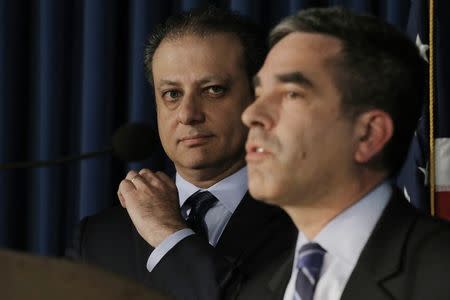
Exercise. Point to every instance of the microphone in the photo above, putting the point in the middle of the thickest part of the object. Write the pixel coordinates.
(134, 141)
(131, 142)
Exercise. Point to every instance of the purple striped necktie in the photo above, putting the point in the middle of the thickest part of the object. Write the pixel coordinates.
(309, 264)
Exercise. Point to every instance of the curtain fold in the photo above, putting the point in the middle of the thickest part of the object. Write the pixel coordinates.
(46, 127)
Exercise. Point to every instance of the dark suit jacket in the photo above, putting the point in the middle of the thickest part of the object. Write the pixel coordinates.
(407, 257)
(255, 234)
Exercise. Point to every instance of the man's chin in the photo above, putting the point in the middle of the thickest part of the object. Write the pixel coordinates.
(197, 164)
(264, 192)
(263, 198)
(258, 192)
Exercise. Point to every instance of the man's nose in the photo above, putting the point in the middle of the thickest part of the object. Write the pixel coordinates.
(190, 110)
(260, 113)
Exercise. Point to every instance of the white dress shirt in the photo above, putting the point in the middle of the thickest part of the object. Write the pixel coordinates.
(229, 191)
(343, 238)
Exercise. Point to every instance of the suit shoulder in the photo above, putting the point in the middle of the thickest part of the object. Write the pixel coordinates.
(432, 232)
(422, 230)
(112, 221)
(426, 260)
(108, 217)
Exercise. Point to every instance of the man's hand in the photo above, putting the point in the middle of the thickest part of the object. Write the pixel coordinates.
(151, 199)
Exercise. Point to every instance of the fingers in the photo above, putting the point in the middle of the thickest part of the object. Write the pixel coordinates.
(121, 199)
(129, 184)
(151, 178)
(144, 180)
(131, 174)
(164, 178)
(136, 179)
(146, 173)
(125, 187)
(158, 179)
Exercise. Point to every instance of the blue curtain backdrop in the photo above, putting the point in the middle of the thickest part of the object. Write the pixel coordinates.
(71, 72)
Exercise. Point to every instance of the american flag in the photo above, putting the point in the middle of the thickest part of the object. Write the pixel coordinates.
(425, 177)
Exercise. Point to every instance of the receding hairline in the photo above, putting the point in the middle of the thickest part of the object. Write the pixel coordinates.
(207, 22)
(180, 35)
(194, 35)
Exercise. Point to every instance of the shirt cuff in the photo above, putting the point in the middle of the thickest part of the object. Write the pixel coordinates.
(159, 252)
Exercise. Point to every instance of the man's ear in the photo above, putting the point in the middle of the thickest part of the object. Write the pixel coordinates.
(373, 129)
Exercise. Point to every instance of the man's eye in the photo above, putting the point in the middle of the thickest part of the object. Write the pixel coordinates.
(171, 95)
(215, 90)
(293, 95)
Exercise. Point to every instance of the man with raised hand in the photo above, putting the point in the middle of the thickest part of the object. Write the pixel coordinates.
(190, 237)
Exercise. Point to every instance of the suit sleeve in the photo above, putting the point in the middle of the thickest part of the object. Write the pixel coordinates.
(192, 269)
(159, 252)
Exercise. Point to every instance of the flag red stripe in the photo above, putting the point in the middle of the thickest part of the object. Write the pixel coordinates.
(443, 205)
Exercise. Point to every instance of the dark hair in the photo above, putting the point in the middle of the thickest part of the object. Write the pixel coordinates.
(207, 21)
(378, 67)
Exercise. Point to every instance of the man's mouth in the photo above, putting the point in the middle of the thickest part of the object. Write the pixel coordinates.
(195, 140)
(256, 152)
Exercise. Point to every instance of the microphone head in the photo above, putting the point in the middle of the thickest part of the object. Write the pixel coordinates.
(134, 141)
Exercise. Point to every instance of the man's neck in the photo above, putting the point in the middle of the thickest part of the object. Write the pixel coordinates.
(312, 216)
(206, 177)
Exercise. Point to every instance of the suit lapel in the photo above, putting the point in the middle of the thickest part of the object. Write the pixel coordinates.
(379, 266)
(271, 283)
(280, 279)
(243, 231)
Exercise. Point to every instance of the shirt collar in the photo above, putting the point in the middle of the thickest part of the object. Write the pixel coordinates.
(229, 191)
(344, 237)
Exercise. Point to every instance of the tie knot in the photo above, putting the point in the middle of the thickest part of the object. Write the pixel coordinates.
(199, 203)
(310, 257)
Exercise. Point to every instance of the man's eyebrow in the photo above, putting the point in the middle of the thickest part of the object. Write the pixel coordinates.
(204, 80)
(256, 81)
(225, 78)
(295, 77)
(167, 82)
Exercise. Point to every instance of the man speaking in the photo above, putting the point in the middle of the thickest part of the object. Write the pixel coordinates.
(337, 102)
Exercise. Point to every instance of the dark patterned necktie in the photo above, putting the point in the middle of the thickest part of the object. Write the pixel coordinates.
(309, 264)
(199, 203)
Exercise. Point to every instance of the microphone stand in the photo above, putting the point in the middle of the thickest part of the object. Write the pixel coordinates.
(46, 163)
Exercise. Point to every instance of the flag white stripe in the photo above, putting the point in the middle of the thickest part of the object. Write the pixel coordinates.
(442, 150)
